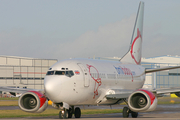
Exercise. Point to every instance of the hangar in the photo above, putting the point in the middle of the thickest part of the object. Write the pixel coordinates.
(24, 72)
(163, 79)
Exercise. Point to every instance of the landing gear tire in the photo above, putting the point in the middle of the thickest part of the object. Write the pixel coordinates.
(134, 114)
(125, 112)
(70, 112)
(77, 112)
(63, 114)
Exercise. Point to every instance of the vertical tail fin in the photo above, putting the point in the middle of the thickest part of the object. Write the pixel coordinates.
(134, 54)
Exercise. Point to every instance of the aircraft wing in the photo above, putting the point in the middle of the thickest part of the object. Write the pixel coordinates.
(117, 94)
(124, 94)
(18, 90)
(171, 90)
(160, 69)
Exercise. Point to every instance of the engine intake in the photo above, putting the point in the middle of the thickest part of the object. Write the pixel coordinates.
(33, 101)
(142, 100)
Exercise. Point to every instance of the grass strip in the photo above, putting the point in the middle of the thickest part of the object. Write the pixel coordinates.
(51, 112)
(9, 103)
(14, 98)
(15, 103)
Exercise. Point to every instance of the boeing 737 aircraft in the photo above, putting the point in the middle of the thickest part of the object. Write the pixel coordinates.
(76, 82)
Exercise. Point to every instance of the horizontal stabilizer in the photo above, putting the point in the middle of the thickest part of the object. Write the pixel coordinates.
(167, 90)
(160, 69)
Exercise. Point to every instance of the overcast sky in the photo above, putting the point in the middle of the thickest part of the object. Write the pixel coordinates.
(62, 29)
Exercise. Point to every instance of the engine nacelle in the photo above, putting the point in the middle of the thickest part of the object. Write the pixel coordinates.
(142, 100)
(33, 101)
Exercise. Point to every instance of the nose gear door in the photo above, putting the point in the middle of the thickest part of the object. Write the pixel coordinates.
(85, 75)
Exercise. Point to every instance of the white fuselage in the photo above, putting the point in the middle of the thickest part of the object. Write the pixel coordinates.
(91, 80)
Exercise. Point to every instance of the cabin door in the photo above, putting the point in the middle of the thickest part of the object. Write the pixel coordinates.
(85, 75)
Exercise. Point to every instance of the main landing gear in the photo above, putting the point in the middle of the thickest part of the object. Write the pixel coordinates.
(126, 112)
(65, 114)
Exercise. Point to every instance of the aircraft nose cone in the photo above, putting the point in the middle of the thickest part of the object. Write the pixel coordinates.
(51, 87)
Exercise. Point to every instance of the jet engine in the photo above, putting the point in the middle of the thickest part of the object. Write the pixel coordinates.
(142, 100)
(33, 101)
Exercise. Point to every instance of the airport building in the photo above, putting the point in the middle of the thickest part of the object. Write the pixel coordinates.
(163, 79)
(24, 72)
(168, 78)
(30, 72)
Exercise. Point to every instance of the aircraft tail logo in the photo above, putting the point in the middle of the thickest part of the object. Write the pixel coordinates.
(133, 56)
(136, 51)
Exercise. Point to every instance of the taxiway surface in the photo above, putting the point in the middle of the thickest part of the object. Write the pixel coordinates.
(167, 112)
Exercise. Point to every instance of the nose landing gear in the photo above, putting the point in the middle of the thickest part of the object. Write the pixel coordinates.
(77, 112)
(65, 114)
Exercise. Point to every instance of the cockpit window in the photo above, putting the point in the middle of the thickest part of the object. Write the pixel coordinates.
(50, 73)
(68, 73)
(60, 73)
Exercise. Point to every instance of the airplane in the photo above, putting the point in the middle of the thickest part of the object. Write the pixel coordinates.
(76, 82)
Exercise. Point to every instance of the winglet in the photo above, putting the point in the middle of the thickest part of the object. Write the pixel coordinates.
(134, 54)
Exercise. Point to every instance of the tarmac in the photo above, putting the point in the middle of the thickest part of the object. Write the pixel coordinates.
(162, 112)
